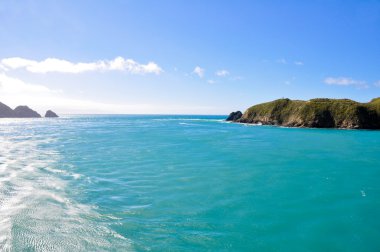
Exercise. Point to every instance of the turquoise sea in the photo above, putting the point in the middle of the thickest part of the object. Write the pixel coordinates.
(186, 183)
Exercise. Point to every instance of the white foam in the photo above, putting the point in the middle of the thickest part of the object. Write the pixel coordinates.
(76, 175)
(36, 213)
(363, 193)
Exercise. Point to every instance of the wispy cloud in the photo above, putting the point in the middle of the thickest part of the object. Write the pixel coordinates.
(211, 82)
(345, 81)
(15, 91)
(222, 73)
(199, 71)
(377, 83)
(10, 85)
(64, 66)
(290, 81)
(282, 61)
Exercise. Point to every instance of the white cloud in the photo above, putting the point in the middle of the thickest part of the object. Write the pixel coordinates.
(64, 66)
(211, 82)
(298, 63)
(345, 81)
(199, 71)
(377, 83)
(14, 92)
(9, 85)
(222, 73)
(3, 68)
(237, 78)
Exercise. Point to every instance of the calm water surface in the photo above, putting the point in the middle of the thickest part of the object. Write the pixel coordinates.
(185, 183)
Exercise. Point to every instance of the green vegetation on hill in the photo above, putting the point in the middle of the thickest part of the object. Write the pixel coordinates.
(318, 113)
(375, 104)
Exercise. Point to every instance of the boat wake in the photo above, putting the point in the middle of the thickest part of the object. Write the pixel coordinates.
(36, 210)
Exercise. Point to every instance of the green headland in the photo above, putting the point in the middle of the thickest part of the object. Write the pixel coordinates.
(314, 113)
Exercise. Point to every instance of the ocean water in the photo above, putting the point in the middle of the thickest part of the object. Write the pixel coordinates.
(186, 183)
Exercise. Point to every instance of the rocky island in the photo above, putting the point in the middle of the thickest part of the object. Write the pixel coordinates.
(22, 112)
(314, 113)
(25, 112)
(50, 113)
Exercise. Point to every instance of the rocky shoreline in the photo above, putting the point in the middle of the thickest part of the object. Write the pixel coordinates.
(314, 113)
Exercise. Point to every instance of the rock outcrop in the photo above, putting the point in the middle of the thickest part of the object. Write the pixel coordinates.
(315, 113)
(234, 116)
(50, 113)
(25, 112)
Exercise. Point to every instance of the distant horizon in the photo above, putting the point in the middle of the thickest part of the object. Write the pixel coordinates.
(169, 114)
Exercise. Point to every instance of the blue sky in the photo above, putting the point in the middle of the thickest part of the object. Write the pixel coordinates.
(185, 57)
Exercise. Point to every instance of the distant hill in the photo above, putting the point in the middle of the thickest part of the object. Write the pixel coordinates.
(315, 113)
(6, 111)
(21, 112)
(25, 112)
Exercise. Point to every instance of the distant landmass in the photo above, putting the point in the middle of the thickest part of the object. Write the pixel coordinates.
(315, 113)
(22, 112)
(50, 113)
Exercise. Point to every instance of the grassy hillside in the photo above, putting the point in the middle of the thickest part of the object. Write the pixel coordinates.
(319, 113)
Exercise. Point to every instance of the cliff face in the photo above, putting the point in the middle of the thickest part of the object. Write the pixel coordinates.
(316, 113)
(234, 116)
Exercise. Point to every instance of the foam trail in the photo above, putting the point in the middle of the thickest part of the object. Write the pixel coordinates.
(36, 211)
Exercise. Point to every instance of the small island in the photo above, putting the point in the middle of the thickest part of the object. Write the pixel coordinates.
(22, 112)
(50, 113)
(314, 113)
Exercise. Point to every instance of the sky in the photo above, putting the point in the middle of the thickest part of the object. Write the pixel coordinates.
(185, 57)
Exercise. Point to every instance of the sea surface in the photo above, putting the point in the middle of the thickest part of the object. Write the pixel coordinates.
(186, 183)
